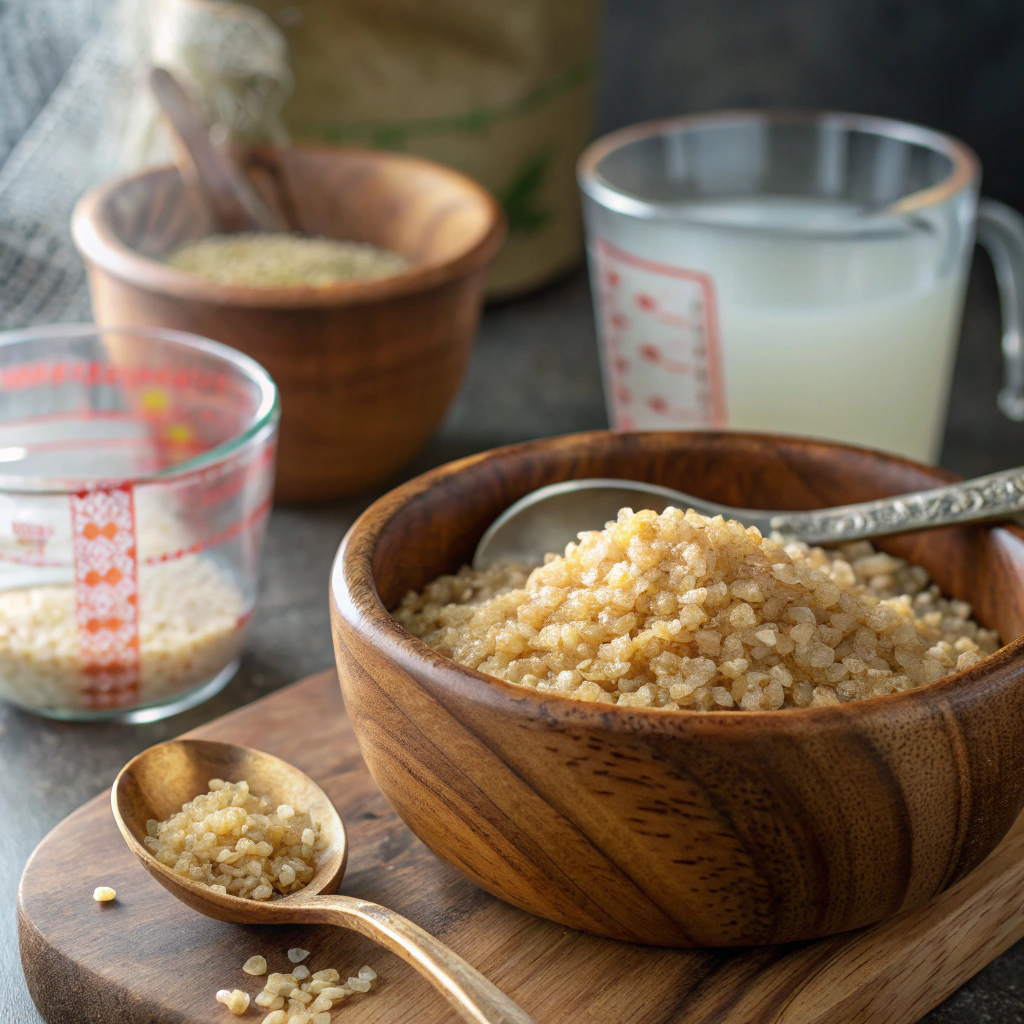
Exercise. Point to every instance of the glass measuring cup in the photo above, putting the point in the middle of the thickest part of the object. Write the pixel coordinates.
(136, 475)
(793, 272)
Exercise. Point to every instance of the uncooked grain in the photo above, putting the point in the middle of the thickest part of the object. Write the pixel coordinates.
(238, 844)
(310, 998)
(190, 626)
(283, 260)
(679, 611)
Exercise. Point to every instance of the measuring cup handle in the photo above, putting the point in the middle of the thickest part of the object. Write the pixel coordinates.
(1001, 235)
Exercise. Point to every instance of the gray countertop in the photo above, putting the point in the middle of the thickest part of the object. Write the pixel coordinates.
(534, 373)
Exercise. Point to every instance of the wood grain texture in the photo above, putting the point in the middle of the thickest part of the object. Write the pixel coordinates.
(87, 963)
(718, 829)
(366, 370)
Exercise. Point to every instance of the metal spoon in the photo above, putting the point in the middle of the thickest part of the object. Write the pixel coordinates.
(548, 518)
(159, 780)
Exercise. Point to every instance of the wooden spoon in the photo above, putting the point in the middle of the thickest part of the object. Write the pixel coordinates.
(238, 205)
(158, 781)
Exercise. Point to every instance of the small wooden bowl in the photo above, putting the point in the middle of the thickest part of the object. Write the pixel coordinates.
(717, 829)
(366, 370)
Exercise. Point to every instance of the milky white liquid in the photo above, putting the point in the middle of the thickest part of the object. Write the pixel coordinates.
(846, 337)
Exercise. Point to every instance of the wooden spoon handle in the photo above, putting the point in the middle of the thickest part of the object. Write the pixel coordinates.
(238, 206)
(473, 997)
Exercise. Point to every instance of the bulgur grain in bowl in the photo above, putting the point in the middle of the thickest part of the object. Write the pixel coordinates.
(687, 827)
(679, 611)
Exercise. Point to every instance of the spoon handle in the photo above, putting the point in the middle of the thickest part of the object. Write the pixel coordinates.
(238, 205)
(997, 496)
(472, 996)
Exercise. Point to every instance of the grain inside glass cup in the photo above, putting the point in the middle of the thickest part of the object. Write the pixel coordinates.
(680, 611)
(238, 844)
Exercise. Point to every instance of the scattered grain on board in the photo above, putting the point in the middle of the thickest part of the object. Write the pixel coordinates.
(255, 965)
(679, 611)
(103, 894)
(308, 1001)
(235, 1000)
(295, 954)
(281, 260)
(235, 843)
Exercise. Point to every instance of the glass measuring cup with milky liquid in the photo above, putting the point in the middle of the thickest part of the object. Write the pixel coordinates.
(801, 273)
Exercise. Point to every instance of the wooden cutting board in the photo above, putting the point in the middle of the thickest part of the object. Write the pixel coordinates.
(147, 959)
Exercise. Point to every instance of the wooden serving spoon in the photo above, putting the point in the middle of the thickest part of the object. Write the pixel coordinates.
(158, 781)
(238, 206)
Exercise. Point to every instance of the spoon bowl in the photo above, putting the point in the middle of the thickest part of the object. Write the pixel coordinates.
(156, 783)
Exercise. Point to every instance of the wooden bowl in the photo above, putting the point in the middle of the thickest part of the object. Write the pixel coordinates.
(366, 370)
(716, 829)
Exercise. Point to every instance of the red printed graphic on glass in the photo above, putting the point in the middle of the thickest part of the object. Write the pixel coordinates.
(660, 335)
(106, 595)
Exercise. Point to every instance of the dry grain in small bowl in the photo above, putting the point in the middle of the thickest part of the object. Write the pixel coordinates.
(680, 611)
(237, 843)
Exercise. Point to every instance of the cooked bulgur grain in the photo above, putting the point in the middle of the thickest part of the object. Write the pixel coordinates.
(235, 843)
(103, 894)
(680, 611)
(255, 965)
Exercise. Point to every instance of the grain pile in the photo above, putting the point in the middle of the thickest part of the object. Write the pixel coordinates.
(281, 260)
(234, 842)
(298, 997)
(682, 612)
(190, 627)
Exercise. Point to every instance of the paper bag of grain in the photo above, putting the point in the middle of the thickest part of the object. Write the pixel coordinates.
(501, 91)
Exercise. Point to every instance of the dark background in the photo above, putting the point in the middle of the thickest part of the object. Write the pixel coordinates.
(956, 65)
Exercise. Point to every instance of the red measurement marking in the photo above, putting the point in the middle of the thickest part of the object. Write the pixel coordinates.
(32, 536)
(208, 542)
(51, 372)
(710, 349)
(612, 278)
(106, 595)
(653, 354)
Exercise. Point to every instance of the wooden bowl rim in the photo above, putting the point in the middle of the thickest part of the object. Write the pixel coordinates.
(365, 614)
(99, 245)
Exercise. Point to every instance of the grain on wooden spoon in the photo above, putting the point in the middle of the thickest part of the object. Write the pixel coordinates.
(156, 783)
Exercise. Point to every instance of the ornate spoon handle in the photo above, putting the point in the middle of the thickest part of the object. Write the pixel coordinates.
(998, 496)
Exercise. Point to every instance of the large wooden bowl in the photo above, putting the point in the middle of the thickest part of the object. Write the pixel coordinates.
(366, 370)
(717, 829)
